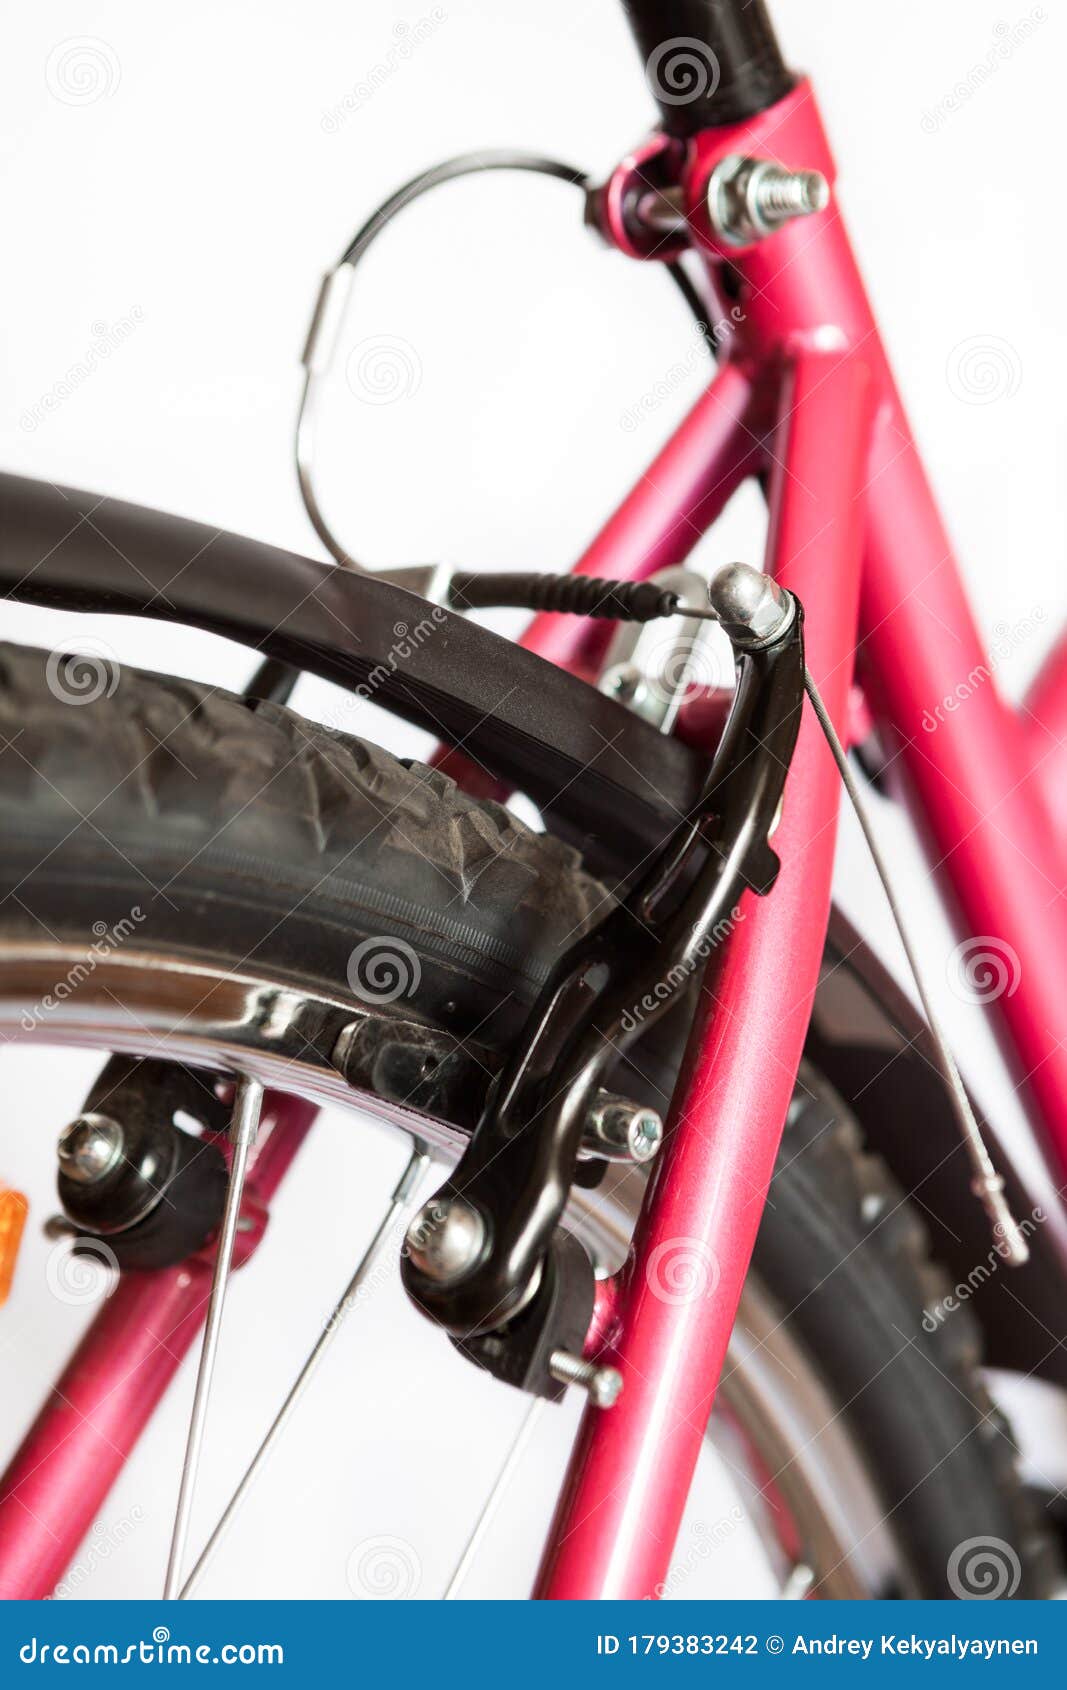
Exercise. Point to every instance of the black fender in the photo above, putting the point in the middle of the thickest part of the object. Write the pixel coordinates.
(869, 1041)
(607, 781)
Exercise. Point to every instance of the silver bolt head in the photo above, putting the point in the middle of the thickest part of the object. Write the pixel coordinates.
(89, 1148)
(645, 1135)
(625, 682)
(605, 1387)
(445, 1239)
(628, 1127)
(749, 605)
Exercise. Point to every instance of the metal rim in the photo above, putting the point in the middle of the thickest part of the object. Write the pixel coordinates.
(141, 1002)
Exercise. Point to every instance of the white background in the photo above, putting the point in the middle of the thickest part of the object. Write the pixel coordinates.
(174, 185)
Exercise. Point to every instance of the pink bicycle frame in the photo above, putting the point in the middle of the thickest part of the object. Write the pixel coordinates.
(855, 533)
(804, 397)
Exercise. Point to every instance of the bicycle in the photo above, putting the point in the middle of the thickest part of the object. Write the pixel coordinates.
(612, 999)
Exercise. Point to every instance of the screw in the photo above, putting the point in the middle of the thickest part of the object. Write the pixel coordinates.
(625, 682)
(89, 1148)
(619, 1127)
(782, 194)
(445, 1239)
(603, 1384)
(749, 198)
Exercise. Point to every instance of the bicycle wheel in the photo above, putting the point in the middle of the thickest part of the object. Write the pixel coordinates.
(266, 873)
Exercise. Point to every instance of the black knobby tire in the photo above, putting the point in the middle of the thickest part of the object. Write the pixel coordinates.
(240, 831)
(846, 1257)
(248, 836)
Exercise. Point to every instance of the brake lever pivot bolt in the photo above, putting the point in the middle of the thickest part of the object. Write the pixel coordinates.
(445, 1239)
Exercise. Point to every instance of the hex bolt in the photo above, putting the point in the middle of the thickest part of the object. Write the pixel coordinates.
(89, 1148)
(749, 198)
(445, 1239)
(623, 1130)
(602, 1384)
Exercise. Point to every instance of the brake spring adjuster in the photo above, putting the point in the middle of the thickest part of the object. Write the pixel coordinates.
(486, 1257)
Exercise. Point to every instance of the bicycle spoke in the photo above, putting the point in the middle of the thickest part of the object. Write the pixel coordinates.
(494, 1499)
(247, 1104)
(798, 1584)
(405, 1189)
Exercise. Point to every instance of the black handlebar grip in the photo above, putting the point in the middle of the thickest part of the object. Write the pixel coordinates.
(708, 62)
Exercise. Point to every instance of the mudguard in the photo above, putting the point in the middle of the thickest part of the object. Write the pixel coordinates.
(608, 781)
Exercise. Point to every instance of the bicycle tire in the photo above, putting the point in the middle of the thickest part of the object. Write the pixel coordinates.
(251, 833)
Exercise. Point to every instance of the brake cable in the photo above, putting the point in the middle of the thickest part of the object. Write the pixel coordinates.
(274, 682)
(431, 580)
(987, 1184)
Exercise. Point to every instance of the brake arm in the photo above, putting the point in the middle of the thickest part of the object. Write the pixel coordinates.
(476, 1252)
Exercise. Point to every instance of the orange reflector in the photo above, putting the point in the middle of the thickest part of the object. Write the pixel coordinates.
(13, 1211)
